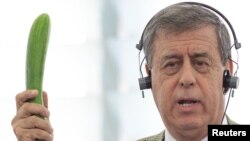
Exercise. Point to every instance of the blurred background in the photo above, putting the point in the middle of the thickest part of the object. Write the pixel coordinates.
(91, 68)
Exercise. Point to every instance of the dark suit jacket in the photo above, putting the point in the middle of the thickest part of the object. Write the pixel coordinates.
(161, 136)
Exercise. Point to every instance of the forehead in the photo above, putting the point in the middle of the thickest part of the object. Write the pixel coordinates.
(201, 39)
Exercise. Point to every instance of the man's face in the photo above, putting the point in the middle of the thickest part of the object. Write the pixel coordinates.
(187, 76)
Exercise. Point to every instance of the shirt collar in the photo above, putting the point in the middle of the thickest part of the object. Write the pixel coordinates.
(169, 137)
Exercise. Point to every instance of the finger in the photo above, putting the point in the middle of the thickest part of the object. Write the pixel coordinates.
(24, 96)
(29, 109)
(32, 135)
(45, 99)
(33, 122)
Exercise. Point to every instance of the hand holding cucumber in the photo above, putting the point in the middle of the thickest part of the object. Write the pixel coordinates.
(31, 119)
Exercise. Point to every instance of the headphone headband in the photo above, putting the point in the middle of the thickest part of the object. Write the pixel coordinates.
(237, 45)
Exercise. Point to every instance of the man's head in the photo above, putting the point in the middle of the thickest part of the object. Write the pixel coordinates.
(187, 49)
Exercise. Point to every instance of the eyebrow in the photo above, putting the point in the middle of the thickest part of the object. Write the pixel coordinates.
(179, 56)
(171, 56)
(201, 54)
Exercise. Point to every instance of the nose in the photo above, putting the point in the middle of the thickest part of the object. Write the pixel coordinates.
(187, 78)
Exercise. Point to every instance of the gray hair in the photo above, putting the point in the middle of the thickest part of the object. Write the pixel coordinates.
(183, 17)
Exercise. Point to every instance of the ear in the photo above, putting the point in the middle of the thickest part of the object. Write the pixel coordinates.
(148, 70)
(229, 66)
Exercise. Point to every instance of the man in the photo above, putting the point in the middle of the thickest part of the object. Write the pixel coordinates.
(27, 124)
(187, 49)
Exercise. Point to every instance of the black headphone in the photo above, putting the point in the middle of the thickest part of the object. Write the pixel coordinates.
(229, 82)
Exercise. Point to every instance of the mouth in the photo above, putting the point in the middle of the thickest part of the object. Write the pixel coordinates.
(188, 102)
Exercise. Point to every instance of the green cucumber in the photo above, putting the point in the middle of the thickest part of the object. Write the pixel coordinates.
(36, 55)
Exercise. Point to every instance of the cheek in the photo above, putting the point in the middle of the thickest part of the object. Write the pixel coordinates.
(213, 92)
(217, 85)
(163, 90)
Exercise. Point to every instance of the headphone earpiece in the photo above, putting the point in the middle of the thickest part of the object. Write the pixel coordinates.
(145, 82)
(229, 82)
(139, 45)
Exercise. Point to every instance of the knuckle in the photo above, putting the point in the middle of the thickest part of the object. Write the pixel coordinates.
(13, 121)
(23, 109)
(19, 133)
(25, 106)
(20, 95)
(17, 97)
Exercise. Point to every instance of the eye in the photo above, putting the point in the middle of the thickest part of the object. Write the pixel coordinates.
(172, 67)
(201, 65)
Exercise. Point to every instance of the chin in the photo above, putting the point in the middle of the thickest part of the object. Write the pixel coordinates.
(190, 122)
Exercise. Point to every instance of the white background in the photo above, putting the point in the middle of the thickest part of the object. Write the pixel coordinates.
(74, 69)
